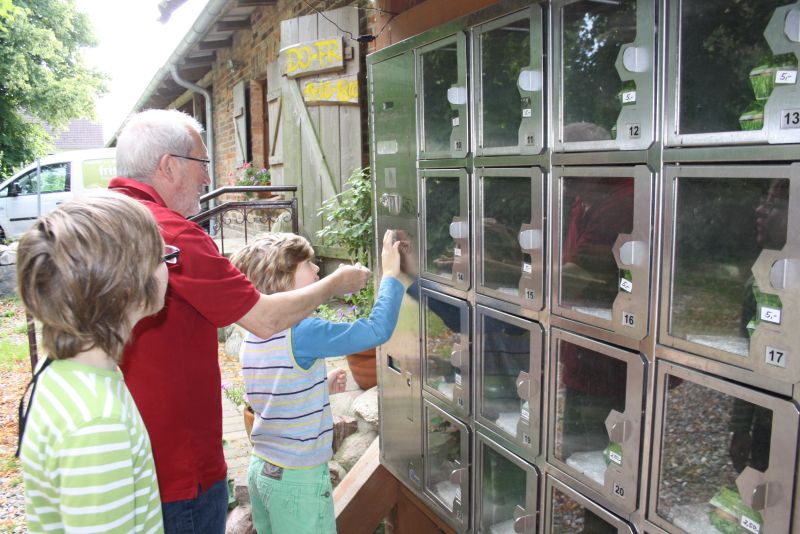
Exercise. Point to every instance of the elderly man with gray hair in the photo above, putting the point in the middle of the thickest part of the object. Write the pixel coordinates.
(171, 365)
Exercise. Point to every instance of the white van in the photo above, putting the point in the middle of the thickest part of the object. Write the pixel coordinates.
(63, 175)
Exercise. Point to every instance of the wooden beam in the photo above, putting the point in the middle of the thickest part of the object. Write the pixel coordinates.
(233, 25)
(255, 3)
(366, 494)
(215, 45)
(199, 61)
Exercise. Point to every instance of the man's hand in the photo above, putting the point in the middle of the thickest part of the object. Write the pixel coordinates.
(349, 278)
(390, 255)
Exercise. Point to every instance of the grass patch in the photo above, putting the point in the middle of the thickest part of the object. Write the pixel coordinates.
(11, 353)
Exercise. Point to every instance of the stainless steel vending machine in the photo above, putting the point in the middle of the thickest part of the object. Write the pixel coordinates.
(601, 200)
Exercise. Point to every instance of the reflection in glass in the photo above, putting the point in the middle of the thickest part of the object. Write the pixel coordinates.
(589, 386)
(439, 73)
(727, 67)
(595, 211)
(697, 486)
(506, 207)
(444, 449)
(504, 488)
(721, 226)
(505, 52)
(506, 353)
(570, 517)
(592, 36)
(442, 205)
(442, 336)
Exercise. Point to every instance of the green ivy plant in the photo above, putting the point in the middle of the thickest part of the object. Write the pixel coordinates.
(348, 225)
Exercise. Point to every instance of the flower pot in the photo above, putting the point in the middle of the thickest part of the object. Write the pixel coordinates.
(249, 419)
(363, 367)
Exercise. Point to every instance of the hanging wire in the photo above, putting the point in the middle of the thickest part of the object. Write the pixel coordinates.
(368, 38)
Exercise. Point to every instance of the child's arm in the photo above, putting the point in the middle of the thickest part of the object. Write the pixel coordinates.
(315, 338)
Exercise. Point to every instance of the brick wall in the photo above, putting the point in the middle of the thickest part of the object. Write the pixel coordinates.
(253, 49)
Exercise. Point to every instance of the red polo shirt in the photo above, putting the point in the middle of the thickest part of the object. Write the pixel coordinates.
(171, 364)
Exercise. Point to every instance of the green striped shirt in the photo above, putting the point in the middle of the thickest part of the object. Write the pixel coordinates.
(86, 456)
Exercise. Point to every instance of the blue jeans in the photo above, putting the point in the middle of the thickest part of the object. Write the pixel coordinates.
(206, 513)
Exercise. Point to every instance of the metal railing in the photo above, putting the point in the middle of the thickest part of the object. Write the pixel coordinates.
(245, 218)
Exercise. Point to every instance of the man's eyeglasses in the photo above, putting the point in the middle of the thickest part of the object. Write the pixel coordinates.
(205, 162)
(171, 254)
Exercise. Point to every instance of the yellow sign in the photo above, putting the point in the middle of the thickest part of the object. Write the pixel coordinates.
(335, 91)
(313, 57)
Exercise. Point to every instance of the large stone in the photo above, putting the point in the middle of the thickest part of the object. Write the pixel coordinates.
(234, 342)
(365, 408)
(353, 448)
(343, 426)
(8, 280)
(241, 492)
(8, 257)
(342, 403)
(240, 521)
(337, 472)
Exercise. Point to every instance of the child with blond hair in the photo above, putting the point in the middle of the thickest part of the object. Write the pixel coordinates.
(288, 478)
(89, 270)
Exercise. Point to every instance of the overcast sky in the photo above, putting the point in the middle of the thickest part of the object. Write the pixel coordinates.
(133, 45)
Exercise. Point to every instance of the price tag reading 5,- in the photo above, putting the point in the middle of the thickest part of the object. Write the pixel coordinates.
(771, 315)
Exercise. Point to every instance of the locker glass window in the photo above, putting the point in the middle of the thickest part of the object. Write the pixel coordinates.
(697, 485)
(727, 68)
(439, 73)
(505, 52)
(571, 517)
(442, 340)
(593, 33)
(442, 205)
(594, 213)
(504, 489)
(444, 458)
(506, 354)
(506, 206)
(721, 227)
(590, 385)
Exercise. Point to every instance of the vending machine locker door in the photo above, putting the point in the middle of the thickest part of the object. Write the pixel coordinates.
(597, 402)
(508, 84)
(732, 72)
(724, 457)
(442, 114)
(393, 144)
(731, 284)
(506, 490)
(446, 235)
(604, 79)
(510, 235)
(447, 468)
(508, 383)
(567, 511)
(446, 350)
(601, 253)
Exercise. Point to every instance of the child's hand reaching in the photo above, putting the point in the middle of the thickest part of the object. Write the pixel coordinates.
(390, 255)
(337, 381)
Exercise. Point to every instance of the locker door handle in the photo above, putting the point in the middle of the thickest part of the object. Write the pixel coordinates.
(530, 239)
(523, 522)
(530, 80)
(636, 59)
(617, 427)
(784, 274)
(459, 230)
(456, 357)
(632, 253)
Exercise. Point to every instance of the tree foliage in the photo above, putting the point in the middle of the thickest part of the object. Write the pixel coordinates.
(42, 74)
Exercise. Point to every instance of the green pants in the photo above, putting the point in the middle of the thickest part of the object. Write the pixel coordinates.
(300, 502)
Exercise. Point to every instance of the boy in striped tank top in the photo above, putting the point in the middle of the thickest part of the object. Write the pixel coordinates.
(288, 478)
(89, 270)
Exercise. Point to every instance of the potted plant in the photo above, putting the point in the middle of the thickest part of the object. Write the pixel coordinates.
(348, 226)
(238, 396)
(248, 174)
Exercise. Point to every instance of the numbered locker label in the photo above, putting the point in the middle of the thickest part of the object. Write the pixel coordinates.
(628, 319)
(790, 118)
(776, 357)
